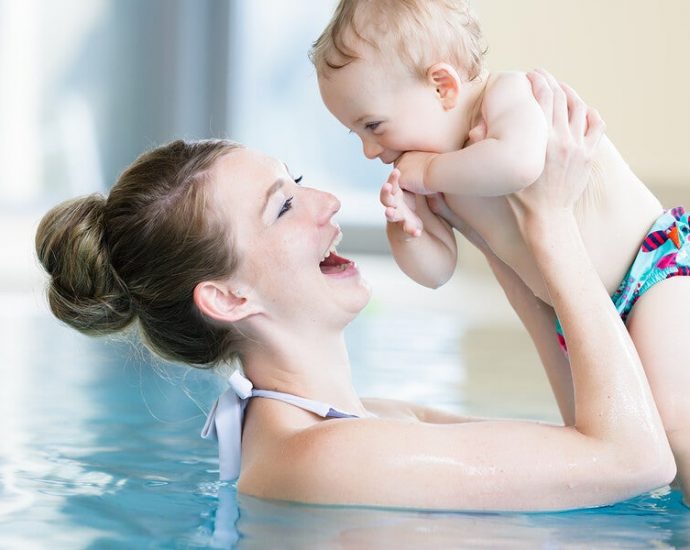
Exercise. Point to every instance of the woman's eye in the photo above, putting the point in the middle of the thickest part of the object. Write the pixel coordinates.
(286, 206)
(372, 125)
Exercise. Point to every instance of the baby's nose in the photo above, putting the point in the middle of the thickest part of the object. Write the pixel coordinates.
(371, 149)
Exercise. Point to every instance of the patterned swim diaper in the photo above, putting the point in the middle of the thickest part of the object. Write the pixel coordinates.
(665, 253)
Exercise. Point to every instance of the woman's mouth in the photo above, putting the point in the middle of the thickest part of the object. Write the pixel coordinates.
(333, 264)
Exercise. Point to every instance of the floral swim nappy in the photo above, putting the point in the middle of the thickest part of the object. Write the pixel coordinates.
(665, 253)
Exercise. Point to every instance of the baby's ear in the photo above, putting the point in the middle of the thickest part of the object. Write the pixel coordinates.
(446, 80)
(216, 300)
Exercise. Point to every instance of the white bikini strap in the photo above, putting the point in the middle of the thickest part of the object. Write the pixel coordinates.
(224, 421)
(224, 425)
(245, 389)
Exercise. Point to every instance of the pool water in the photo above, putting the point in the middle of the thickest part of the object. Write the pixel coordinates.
(100, 451)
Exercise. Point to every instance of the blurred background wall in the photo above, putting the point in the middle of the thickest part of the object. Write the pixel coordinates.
(628, 58)
(86, 85)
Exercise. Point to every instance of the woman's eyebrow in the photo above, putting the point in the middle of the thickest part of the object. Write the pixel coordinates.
(271, 190)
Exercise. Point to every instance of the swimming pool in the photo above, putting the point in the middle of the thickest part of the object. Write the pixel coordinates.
(98, 451)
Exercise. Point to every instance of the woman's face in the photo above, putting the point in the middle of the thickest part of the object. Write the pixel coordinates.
(282, 232)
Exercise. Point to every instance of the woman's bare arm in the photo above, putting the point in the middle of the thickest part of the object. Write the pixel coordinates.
(616, 449)
(537, 316)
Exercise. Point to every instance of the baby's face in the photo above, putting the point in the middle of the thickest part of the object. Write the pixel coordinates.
(390, 110)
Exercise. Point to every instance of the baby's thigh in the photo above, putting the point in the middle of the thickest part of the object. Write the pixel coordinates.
(659, 325)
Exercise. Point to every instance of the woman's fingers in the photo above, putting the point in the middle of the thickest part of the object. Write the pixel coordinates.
(577, 110)
(543, 94)
(560, 104)
(595, 130)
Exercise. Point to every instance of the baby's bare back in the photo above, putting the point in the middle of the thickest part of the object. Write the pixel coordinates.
(614, 214)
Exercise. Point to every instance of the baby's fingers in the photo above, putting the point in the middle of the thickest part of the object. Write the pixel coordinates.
(390, 194)
(386, 194)
(393, 214)
(413, 227)
(394, 178)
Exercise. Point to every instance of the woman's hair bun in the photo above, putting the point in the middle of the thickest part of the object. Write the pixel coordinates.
(84, 291)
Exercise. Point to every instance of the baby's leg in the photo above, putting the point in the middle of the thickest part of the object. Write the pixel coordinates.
(660, 327)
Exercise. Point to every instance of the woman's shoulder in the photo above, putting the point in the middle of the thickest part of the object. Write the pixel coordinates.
(329, 460)
(397, 409)
(315, 463)
(391, 408)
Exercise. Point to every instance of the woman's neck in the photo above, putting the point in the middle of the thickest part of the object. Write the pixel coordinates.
(315, 367)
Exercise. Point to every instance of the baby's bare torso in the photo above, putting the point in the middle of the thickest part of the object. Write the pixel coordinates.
(614, 214)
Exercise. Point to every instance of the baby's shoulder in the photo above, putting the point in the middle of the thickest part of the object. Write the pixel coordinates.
(505, 82)
(507, 91)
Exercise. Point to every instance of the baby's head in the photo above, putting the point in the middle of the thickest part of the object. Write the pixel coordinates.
(418, 33)
(377, 63)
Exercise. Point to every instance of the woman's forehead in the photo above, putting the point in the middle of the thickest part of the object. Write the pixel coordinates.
(245, 173)
(240, 182)
(248, 166)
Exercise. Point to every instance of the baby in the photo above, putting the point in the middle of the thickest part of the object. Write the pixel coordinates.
(407, 77)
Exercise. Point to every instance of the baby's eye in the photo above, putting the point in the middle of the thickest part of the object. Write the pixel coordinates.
(286, 206)
(298, 180)
(372, 125)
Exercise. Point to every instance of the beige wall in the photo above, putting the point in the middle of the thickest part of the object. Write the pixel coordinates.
(627, 58)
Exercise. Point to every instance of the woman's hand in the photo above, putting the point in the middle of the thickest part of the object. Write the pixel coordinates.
(574, 133)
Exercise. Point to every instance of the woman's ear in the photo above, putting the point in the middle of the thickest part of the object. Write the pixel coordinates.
(446, 80)
(217, 301)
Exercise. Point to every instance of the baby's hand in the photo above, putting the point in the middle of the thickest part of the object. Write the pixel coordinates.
(400, 205)
(413, 166)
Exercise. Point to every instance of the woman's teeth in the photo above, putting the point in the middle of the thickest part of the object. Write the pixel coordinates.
(332, 250)
(331, 263)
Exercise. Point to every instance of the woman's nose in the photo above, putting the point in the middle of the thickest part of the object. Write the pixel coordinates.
(328, 207)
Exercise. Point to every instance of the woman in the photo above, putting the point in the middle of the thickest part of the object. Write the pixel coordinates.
(218, 253)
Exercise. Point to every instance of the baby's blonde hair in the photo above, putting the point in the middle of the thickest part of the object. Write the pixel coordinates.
(419, 32)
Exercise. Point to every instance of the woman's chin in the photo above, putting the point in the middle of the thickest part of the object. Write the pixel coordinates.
(358, 299)
(347, 286)
(366, 296)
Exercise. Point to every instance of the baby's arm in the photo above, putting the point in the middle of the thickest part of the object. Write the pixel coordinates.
(510, 158)
(422, 244)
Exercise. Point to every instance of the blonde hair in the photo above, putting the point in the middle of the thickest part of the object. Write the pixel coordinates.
(420, 32)
(138, 254)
